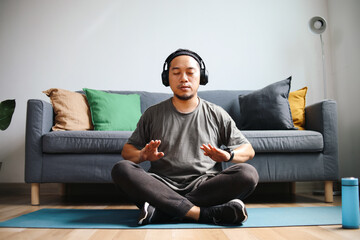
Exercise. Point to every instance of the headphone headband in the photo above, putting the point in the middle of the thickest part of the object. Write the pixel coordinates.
(180, 52)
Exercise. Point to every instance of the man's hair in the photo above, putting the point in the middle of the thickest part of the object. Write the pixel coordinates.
(204, 76)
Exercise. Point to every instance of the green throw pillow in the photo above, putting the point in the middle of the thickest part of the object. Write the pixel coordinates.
(113, 112)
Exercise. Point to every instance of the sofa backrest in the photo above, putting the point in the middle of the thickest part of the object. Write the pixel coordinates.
(227, 99)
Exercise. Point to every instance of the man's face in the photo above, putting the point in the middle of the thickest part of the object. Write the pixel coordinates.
(184, 77)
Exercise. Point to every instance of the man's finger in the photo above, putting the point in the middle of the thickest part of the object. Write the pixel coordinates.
(160, 154)
(205, 147)
(157, 143)
(154, 144)
(211, 147)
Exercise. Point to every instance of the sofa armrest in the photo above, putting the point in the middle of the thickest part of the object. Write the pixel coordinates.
(322, 117)
(39, 120)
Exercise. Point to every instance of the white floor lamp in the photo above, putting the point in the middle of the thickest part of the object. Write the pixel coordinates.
(318, 25)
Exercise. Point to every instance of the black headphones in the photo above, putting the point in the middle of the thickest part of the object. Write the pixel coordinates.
(204, 75)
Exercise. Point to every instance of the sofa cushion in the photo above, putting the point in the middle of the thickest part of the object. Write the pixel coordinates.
(227, 99)
(297, 101)
(113, 141)
(267, 108)
(85, 141)
(113, 112)
(285, 141)
(71, 110)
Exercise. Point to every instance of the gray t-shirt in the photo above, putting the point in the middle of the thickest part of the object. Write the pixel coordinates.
(182, 135)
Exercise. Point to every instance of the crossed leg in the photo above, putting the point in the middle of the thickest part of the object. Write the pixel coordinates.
(237, 181)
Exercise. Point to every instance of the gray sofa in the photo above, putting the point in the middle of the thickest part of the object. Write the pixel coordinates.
(88, 156)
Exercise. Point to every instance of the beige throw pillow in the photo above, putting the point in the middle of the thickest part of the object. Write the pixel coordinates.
(71, 109)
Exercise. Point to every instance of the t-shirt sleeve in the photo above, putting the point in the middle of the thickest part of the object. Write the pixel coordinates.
(231, 136)
(140, 136)
(236, 138)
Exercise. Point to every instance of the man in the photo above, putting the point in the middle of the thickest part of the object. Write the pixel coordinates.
(184, 138)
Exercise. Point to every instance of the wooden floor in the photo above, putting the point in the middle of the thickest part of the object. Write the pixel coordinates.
(14, 205)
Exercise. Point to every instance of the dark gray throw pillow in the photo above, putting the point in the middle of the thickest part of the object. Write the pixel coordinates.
(267, 108)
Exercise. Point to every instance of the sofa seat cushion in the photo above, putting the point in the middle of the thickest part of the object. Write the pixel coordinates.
(85, 141)
(113, 141)
(285, 141)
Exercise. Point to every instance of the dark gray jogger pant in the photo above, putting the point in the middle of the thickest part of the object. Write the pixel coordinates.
(237, 181)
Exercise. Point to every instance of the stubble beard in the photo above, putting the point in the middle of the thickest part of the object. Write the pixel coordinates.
(185, 97)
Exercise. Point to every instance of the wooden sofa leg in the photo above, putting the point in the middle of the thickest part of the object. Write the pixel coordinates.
(329, 194)
(35, 194)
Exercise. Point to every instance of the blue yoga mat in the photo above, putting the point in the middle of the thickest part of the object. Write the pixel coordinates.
(124, 219)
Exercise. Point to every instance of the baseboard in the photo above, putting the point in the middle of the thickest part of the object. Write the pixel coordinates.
(308, 187)
(25, 188)
(317, 188)
(73, 189)
(109, 189)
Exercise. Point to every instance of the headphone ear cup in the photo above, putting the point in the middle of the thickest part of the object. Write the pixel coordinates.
(204, 76)
(165, 78)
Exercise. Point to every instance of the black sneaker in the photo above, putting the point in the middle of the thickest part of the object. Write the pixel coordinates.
(150, 214)
(232, 212)
(146, 214)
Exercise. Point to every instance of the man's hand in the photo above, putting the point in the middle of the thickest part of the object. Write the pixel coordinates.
(214, 153)
(150, 151)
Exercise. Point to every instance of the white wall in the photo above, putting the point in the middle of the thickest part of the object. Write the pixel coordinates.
(122, 45)
(344, 20)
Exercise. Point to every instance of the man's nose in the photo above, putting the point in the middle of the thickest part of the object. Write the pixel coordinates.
(184, 77)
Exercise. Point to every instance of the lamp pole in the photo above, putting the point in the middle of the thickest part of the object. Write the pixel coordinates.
(317, 25)
(323, 63)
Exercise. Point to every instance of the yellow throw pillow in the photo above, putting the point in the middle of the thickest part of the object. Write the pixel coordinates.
(297, 100)
(71, 109)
